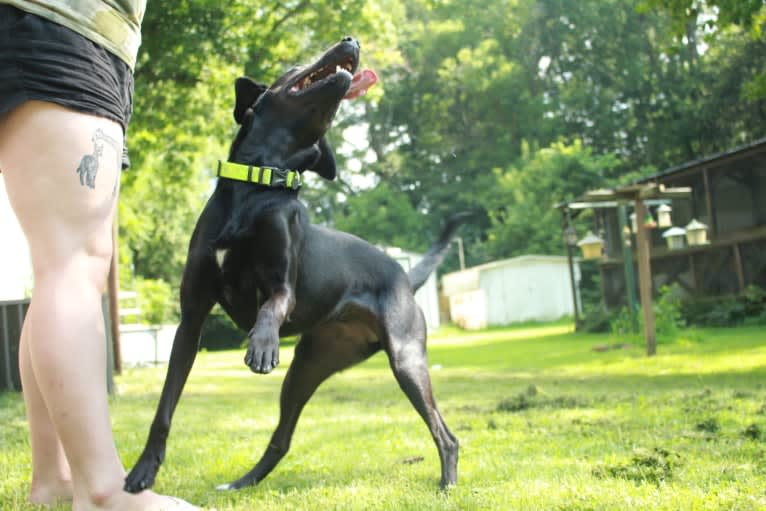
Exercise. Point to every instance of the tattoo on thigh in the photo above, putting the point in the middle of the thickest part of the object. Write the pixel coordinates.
(88, 168)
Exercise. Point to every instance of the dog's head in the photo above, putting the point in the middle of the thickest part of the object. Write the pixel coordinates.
(284, 125)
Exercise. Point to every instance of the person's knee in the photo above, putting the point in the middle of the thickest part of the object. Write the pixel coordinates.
(82, 270)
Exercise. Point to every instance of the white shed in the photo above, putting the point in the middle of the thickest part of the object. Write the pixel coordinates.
(15, 264)
(526, 288)
(427, 296)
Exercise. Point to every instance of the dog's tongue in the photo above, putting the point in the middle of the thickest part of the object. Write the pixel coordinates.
(362, 81)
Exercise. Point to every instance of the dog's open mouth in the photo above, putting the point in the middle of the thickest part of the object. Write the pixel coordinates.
(322, 74)
(360, 82)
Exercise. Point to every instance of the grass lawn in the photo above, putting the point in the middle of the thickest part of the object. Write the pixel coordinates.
(544, 422)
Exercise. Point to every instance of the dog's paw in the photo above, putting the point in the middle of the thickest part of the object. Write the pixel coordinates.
(139, 479)
(262, 353)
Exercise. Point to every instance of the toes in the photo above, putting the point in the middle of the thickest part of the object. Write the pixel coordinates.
(262, 362)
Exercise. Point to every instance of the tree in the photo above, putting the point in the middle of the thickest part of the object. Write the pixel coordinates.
(192, 52)
(521, 198)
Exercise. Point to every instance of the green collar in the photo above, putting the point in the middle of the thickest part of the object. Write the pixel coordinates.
(266, 176)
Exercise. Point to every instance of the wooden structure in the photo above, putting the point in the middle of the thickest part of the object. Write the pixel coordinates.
(615, 200)
(727, 194)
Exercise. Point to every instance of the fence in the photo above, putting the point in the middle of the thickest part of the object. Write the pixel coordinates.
(12, 313)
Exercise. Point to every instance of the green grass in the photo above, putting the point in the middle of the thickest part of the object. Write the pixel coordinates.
(545, 423)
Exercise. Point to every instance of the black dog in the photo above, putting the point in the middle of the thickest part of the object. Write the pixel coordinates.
(255, 252)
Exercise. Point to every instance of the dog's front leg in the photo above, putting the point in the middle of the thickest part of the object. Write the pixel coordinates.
(263, 349)
(279, 242)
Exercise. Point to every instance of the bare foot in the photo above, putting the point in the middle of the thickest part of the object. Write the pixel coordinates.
(50, 493)
(144, 501)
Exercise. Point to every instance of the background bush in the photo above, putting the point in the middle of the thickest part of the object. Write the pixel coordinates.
(157, 301)
(746, 308)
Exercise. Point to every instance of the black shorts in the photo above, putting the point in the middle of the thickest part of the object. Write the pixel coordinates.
(42, 60)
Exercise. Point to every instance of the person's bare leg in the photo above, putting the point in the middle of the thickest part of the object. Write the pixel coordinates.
(51, 477)
(61, 169)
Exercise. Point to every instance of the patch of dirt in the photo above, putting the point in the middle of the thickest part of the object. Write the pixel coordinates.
(753, 432)
(710, 426)
(601, 348)
(532, 399)
(645, 465)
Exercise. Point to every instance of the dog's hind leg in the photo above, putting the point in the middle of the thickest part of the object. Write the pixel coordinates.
(194, 309)
(406, 349)
(317, 357)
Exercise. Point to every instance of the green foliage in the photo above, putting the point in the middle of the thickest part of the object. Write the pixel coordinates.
(668, 318)
(749, 307)
(626, 322)
(182, 123)
(597, 319)
(386, 217)
(667, 313)
(518, 202)
(590, 284)
(686, 12)
(157, 301)
(219, 332)
(505, 109)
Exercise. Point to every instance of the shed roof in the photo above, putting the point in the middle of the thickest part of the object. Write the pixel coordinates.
(742, 150)
(517, 261)
(755, 147)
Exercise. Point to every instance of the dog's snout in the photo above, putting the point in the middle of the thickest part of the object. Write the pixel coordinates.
(349, 39)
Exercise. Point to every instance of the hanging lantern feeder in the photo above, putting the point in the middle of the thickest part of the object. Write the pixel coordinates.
(675, 237)
(696, 233)
(663, 216)
(591, 246)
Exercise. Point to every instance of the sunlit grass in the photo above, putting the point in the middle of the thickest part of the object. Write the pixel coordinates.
(544, 423)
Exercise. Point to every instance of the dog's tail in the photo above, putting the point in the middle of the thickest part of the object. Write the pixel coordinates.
(435, 255)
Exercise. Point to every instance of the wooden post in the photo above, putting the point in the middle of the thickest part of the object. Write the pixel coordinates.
(114, 303)
(570, 262)
(645, 279)
(709, 206)
(693, 271)
(738, 267)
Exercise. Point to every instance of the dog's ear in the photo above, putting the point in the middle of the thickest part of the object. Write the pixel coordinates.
(325, 164)
(246, 91)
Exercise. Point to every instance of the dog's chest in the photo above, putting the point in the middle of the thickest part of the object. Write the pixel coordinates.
(239, 277)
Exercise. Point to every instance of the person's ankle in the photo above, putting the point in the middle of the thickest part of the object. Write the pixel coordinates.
(104, 496)
(50, 491)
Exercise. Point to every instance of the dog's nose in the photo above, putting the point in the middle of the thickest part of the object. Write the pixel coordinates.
(349, 39)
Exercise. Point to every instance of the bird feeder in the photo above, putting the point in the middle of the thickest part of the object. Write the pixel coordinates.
(663, 216)
(696, 233)
(675, 237)
(591, 246)
(649, 222)
(570, 236)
